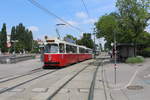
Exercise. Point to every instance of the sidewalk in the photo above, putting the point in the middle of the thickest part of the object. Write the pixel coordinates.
(20, 67)
(129, 81)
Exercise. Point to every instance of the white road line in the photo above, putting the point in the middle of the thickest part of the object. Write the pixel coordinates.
(130, 82)
(133, 77)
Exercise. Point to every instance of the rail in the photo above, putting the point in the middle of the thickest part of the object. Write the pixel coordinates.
(18, 76)
(27, 81)
(92, 87)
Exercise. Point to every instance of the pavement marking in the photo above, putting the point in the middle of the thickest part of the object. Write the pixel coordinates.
(84, 90)
(133, 77)
(40, 90)
(130, 82)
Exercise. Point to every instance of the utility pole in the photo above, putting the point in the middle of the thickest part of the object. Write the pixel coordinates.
(115, 58)
(94, 43)
(94, 47)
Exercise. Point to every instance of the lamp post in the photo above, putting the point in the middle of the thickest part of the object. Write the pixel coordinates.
(57, 31)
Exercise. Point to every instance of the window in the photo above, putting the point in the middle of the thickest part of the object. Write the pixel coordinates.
(51, 48)
(71, 49)
(82, 50)
(61, 48)
(74, 48)
(68, 48)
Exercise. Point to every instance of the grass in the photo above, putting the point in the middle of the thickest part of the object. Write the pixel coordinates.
(137, 59)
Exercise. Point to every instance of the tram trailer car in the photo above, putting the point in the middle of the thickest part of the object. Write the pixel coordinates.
(61, 53)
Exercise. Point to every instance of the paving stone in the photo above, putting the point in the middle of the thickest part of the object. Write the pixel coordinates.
(39, 90)
(17, 90)
(1, 89)
(64, 91)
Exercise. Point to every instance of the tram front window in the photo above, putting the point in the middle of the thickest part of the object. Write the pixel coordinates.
(51, 48)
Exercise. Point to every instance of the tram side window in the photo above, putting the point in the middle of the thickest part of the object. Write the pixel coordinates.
(87, 51)
(82, 50)
(71, 49)
(74, 48)
(61, 48)
(68, 49)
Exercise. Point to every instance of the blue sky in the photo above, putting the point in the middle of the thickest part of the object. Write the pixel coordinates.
(12, 12)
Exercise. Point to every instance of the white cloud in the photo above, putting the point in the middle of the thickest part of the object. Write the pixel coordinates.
(81, 15)
(90, 21)
(33, 28)
(73, 23)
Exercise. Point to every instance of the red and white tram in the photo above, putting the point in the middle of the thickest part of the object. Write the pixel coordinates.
(62, 53)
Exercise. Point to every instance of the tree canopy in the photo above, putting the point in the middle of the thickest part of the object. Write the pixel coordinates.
(3, 39)
(21, 39)
(86, 40)
(127, 25)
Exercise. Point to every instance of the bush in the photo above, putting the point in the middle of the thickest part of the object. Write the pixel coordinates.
(137, 59)
(146, 52)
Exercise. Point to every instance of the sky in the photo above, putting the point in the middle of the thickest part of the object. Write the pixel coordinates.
(13, 12)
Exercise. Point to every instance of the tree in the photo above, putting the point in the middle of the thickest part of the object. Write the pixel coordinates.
(24, 38)
(127, 25)
(13, 39)
(35, 47)
(29, 40)
(13, 34)
(86, 40)
(3, 39)
(134, 16)
(106, 26)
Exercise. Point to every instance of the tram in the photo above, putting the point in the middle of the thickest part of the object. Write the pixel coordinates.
(61, 53)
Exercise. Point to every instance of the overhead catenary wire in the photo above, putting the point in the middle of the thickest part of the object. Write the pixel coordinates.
(86, 9)
(35, 3)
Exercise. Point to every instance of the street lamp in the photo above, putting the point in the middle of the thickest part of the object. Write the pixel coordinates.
(57, 31)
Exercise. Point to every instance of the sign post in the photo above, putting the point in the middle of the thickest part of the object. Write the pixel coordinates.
(115, 58)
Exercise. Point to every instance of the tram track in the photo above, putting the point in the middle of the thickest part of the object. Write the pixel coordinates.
(70, 79)
(52, 94)
(92, 87)
(24, 82)
(103, 82)
(58, 86)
